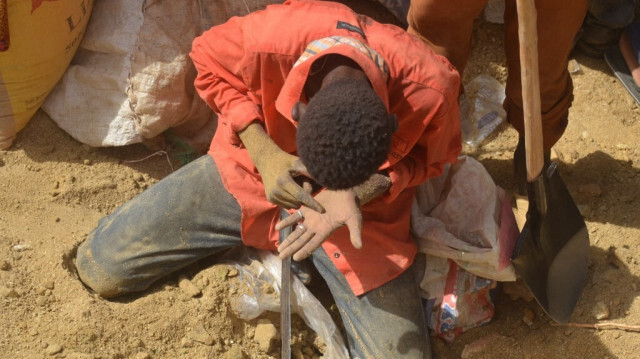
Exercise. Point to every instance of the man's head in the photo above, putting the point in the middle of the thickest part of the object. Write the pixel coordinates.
(344, 133)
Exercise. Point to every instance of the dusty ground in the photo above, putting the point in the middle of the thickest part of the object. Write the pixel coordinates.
(53, 190)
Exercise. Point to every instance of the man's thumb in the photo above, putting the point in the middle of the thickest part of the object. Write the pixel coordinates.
(354, 224)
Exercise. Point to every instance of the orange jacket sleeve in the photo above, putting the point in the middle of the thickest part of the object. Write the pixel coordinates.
(223, 64)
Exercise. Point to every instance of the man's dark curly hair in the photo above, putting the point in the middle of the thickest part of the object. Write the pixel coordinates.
(345, 134)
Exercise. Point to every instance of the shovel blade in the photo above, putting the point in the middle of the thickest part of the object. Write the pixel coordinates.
(552, 253)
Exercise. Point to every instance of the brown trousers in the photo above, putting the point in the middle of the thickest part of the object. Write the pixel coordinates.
(446, 26)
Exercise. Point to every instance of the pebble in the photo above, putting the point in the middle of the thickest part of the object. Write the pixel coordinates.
(221, 273)
(87, 162)
(49, 284)
(41, 301)
(53, 349)
(235, 352)
(528, 317)
(200, 335)
(265, 335)
(601, 311)
(186, 342)
(4, 265)
(233, 272)
(585, 135)
(188, 288)
(8, 292)
(142, 355)
(20, 247)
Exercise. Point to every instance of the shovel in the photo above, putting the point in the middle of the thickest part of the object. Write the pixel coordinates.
(552, 253)
(285, 296)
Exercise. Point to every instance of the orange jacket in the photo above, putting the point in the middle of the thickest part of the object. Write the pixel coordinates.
(245, 73)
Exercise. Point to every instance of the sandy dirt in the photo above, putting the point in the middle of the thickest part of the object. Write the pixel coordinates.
(53, 190)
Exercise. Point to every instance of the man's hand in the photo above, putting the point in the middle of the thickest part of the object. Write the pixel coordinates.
(343, 208)
(278, 170)
(278, 173)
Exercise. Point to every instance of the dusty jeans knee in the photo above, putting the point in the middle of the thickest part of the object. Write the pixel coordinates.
(387, 322)
(185, 217)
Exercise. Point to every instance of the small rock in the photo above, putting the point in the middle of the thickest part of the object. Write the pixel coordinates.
(4, 265)
(20, 247)
(49, 284)
(41, 301)
(142, 355)
(200, 335)
(266, 333)
(221, 273)
(188, 288)
(53, 349)
(235, 352)
(8, 292)
(233, 272)
(601, 311)
(528, 317)
(87, 162)
(186, 342)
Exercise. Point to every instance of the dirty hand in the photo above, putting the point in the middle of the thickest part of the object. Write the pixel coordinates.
(281, 189)
(342, 208)
(278, 168)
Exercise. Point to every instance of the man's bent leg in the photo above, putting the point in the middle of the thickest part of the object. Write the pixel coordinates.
(387, 322)
(184, 217)
(445, 26)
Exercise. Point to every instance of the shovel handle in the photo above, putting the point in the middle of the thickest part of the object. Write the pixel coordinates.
(4, 25)
(530, 78)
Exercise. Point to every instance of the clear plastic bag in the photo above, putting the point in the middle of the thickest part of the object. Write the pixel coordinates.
(481, 110)
(259, 268)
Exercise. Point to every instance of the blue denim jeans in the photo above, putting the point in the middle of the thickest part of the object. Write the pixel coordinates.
(189, 215)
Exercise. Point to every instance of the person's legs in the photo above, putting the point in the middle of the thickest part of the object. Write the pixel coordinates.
(186, 216)
(445, 26)
(387, 322)
(558, 24)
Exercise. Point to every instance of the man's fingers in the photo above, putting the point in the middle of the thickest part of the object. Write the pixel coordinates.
(307, 186)
(307, 250)
(354, 224)
(300, 169)
(294, 242)
(289, 221)
(308, 200)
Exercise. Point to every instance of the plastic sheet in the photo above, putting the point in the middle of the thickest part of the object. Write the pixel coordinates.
(481, 110)
(259, 268)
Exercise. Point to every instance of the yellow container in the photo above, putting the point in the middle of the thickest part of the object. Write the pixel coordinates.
(44, 35)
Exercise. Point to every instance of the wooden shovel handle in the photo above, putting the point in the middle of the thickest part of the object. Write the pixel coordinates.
(4, 25)
(530, 78)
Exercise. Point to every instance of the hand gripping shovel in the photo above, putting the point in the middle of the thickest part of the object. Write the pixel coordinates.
(552, 253)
